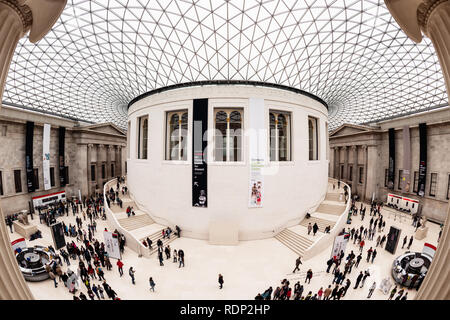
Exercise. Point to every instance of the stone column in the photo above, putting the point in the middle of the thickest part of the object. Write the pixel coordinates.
(364, 151)
(90, 146)
(119, 161)
(433, 18)
(338, 163)
(355, 170)
(331, 163)
(99, 165)
(345, 177)
(17, 17)
(108, 161)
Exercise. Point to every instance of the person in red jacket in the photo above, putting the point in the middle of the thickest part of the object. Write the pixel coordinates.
(120, 266)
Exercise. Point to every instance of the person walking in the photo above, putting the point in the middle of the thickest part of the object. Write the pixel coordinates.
(369, 253)
(327, 292)
(358, 279)
(410, 242)
(366, 274)
(393, 291)
(298, 262)
(309, 228)
(372, 289)
(315, 228)
(131, 273)
(180, 258)
(405, 239)
(220, 281)
(361, 245)
(358, 259)
(329, 264)
(309, 275)
(120, 267)
(152, 284)
(374, 254)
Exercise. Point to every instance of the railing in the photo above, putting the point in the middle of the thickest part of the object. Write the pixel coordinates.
(324, 241)
(131, 242)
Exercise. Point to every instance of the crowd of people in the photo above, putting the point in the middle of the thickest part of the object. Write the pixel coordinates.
(366, 239)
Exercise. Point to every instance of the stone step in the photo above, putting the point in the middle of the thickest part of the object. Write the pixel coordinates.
(158, 235)
(331, 208)
(135, 222)
(334, 196)
(321, 223)
(294, 241)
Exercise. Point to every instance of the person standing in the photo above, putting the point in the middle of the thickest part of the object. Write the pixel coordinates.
(361, 245)
(327, 293)
(374, 254)
(347, 285)
(393, 291)
(152, 284)
(298, 262)
(160, 257)
(120, 266)
(372, 289)
(366, 274)
(329, 264)
(358, 259)
(309, 228)
(181, 257)
(369, 253)
(220, 281)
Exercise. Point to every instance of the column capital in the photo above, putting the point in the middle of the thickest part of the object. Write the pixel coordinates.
(424, 10)
(100, 146)
(354, 147)
(22, 10)
(364, 147)
(90, 145)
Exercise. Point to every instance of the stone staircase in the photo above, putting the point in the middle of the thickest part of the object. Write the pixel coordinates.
(321, 223)
(329, 207)
(334, 196)
(294, 241)
(135, 222)
(158, 235)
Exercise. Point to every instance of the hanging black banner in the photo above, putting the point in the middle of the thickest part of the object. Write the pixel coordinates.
(391, 170)
(423, 159)
(62, 168)
(29, 156)
(199, 166)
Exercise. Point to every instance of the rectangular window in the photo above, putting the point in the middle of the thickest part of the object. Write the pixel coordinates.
(416, 181)
(361, 174)
(18, 181)
(36, 178)
(92, 172)
(176, 135)
(128, 139)
(433, 184)
(3, 131)
(1, 184)
(341, 175)
(350, 173)
(313, 134)
(103, 171)
(112, 170)
(386, 177)
(228, 134)
(400, 173)
(142, 137)
(280, 135)
(52, 176)
(448, 187)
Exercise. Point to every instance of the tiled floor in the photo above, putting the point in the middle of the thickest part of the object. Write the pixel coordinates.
(248, 268)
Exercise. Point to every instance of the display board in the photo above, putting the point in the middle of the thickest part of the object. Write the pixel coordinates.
(392, 240)
(112, 244)
(18, 245)
(29, 156)
(258, 152)
(59, 241)
(199, 145)
(405, 181)
(403, 202)
(391, 168)
(46, 199)
(340, 243)
(423, 159)
(46, 156)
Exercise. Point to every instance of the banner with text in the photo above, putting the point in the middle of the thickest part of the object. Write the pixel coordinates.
(29, 156)
(340, 243)
(112, 244)
(423, 159)
(406, 173)
(46, 156)
(391, 168)
(258, 150)
(199, 144)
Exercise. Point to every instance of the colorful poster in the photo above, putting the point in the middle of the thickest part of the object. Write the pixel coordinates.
(46, 156)
(257, 154)
(112, 244)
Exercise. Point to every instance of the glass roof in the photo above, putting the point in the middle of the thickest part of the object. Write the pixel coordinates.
(101, 54)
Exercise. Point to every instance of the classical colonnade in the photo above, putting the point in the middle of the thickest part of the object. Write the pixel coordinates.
(103, 156)
(18, 17)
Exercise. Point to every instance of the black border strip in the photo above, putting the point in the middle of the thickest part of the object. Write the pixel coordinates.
(226, 82)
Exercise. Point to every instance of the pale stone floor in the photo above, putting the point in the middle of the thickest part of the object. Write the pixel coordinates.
(248, 268)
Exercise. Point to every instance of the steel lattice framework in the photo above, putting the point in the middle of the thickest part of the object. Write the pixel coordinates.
(101, 54)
